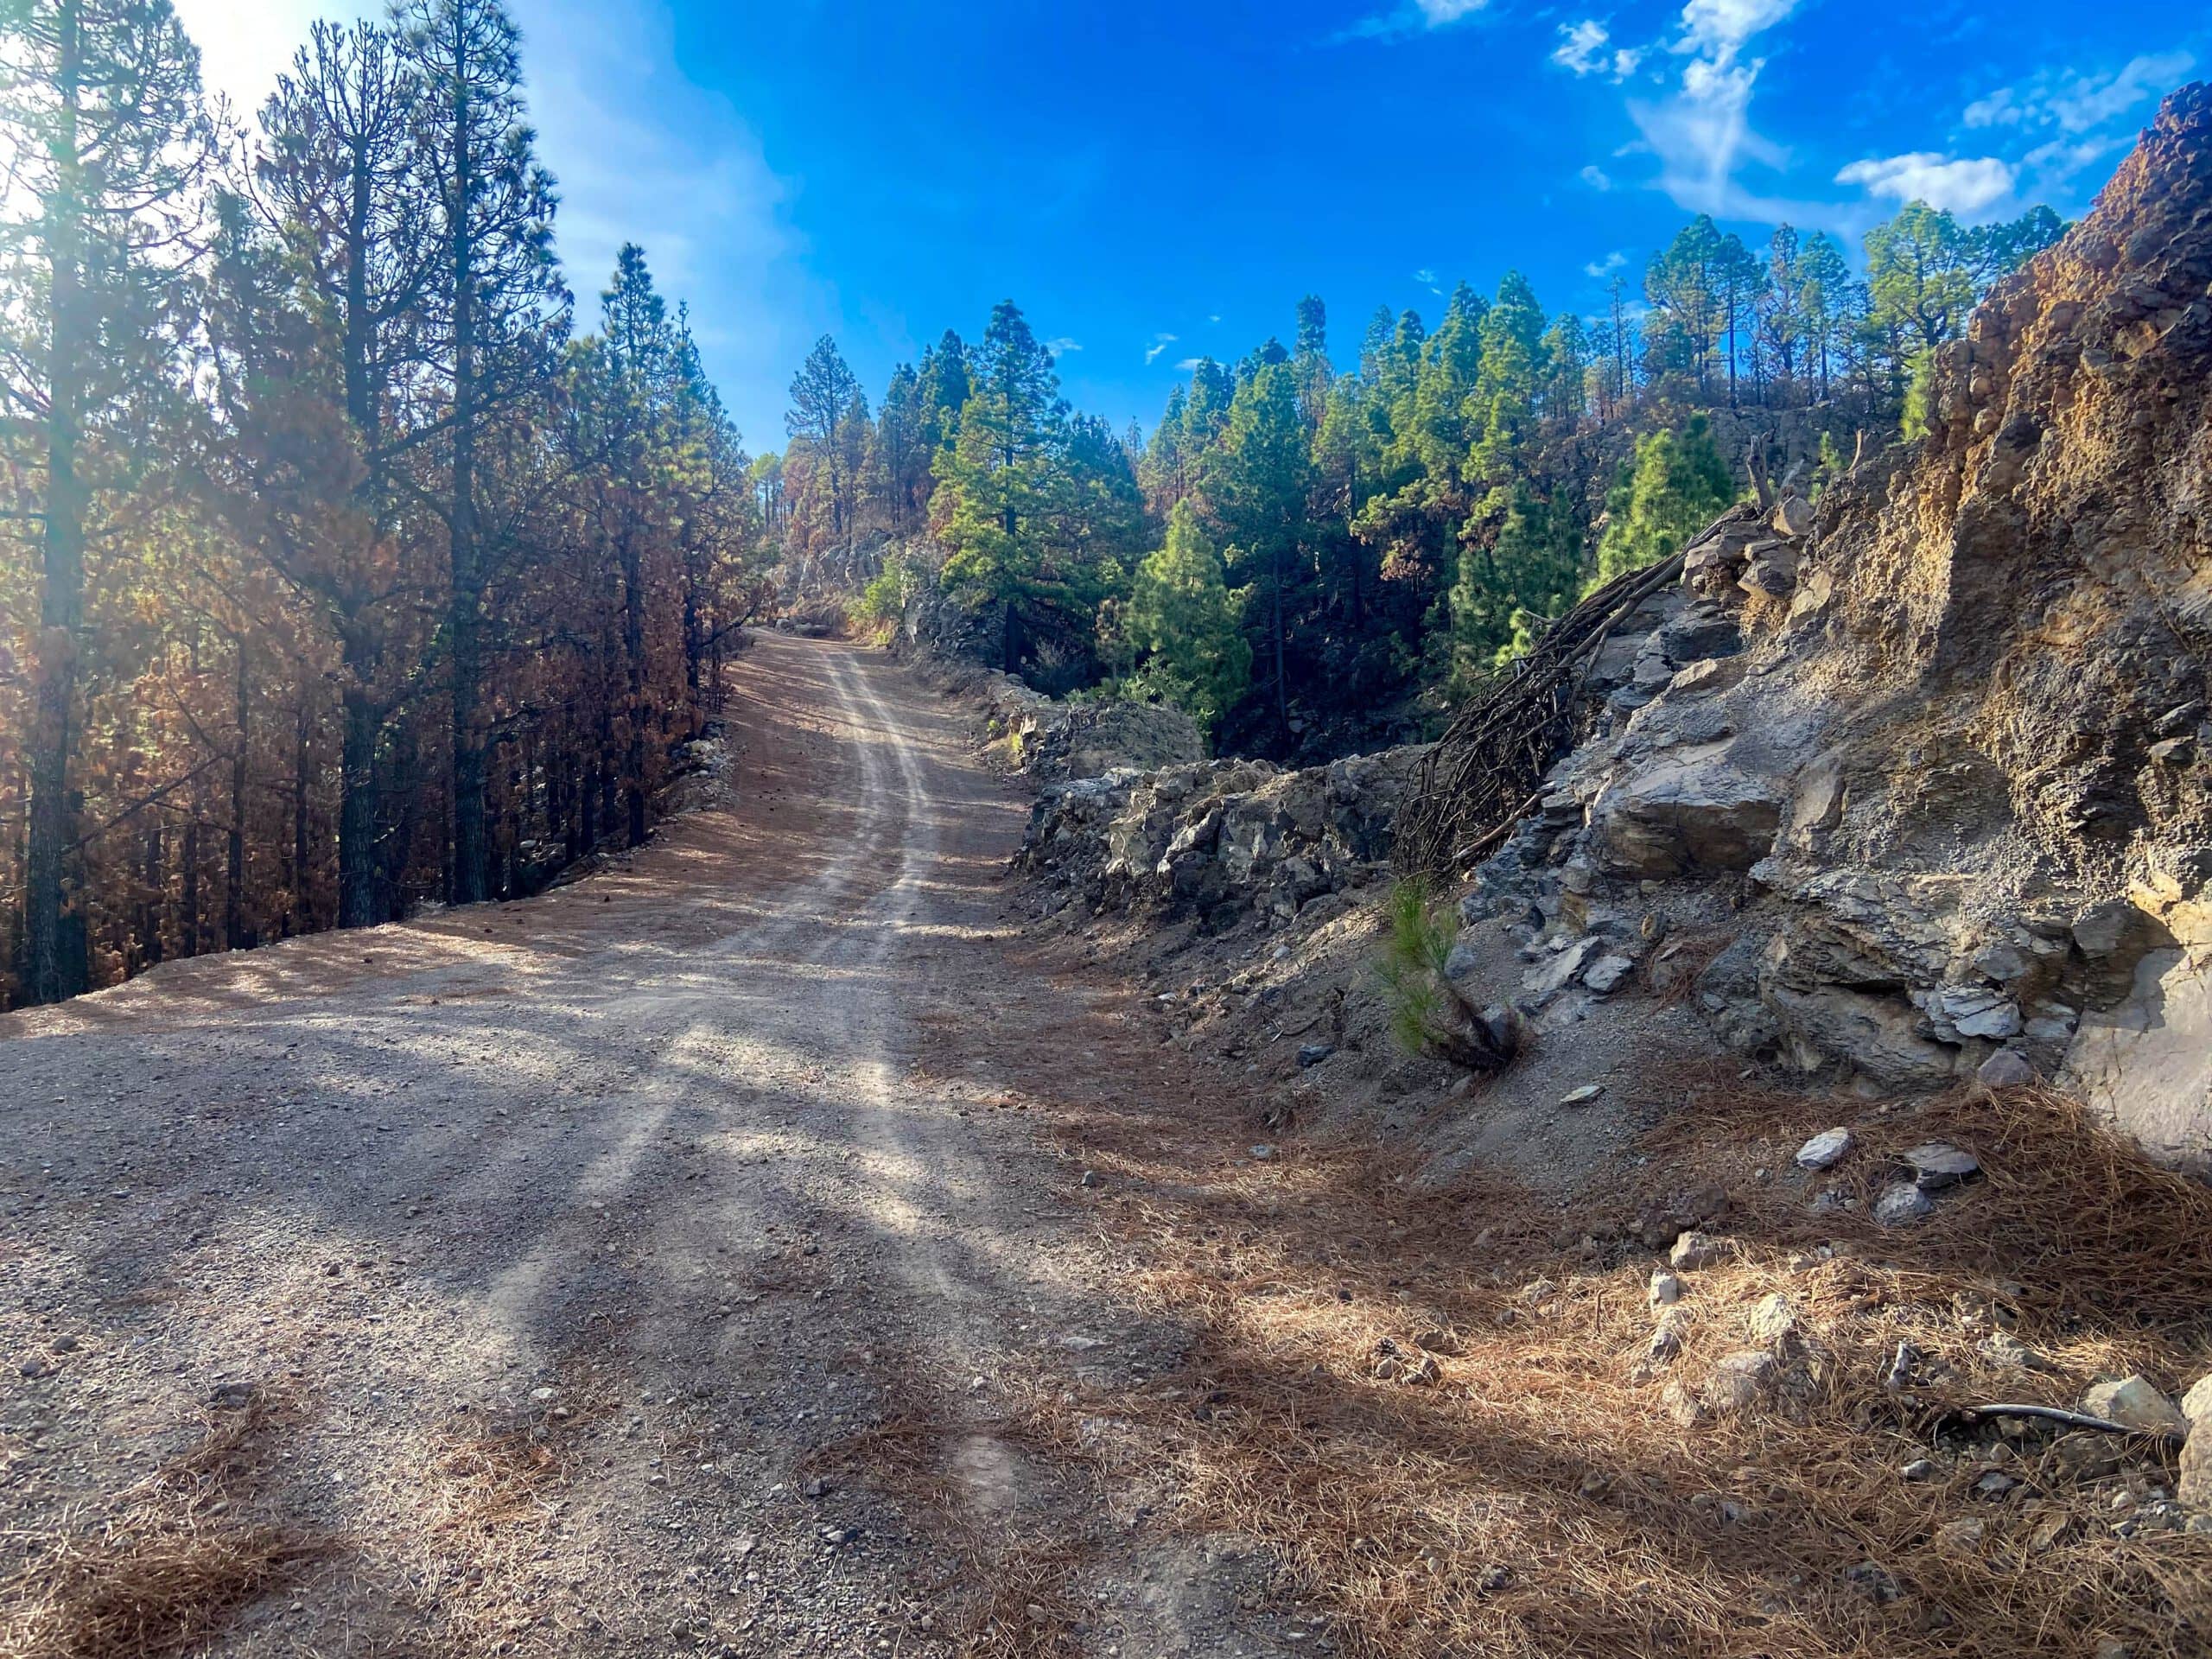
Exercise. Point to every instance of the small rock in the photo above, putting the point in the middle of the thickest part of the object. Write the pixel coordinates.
(1936, 1164)
(1608, 973)
(1491, 1579)
(1775, 1322)
(2137, 1402)
(1900, 1202)
(2049, 1532)
(1995, 1484)
(1918, 1469)
(817, 1487)
(1873, 1579)
(1694, 1251)
(2005, 1349)
(1738, 1380)
(35, 1368)
(541, 1395)
(1313, 1054)
(232, 1396)
(1792, 517)
(2085, 1454)
(1664, 1290)
(2006, 1069)
(1582, 1096)
(1090, 1177)
(1824, 1149)
(1960, 1537)
(1681, 1403)
(1262, 1153)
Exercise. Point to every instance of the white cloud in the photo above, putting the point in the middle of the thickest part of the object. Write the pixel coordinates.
(1159, 344)
(1965, 187)
(1719, 28)
(1061, 345)
(1607, 266)
(1414, 17)
(1702, 134)
(1581, 47)
(2077, 103)
(1189, 363)
(1596, 177)
(1425, 276)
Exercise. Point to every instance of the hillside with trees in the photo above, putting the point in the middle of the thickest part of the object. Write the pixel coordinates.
(1347, 548)
(345, 565)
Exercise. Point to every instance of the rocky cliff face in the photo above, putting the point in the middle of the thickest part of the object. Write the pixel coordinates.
(1951, 797)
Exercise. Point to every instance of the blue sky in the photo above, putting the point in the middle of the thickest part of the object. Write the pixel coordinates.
(1151, 180)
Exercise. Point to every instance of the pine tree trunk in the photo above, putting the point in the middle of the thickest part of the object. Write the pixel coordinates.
(298, 920)
(149, 913)
(189, 904)
(634, 651)
(49, 973)
(234, 928)
(471, 851)
(357, 813)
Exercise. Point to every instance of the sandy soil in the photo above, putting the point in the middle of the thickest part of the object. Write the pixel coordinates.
(666, 1263)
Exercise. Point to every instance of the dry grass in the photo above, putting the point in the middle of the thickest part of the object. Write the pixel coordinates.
(167, 1566)
(1539, 1499)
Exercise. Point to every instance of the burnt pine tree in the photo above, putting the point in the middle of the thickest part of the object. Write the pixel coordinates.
(496, 309)
(103, 97)
(340, 181)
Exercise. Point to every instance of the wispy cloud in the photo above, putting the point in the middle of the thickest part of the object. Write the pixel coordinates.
(1412, 18)
(1586, 49)
(1964, 186)
(1188, 364)
(2076, 103)
(1607, 266)
(1061, 345)
(1701, 133)
(1159, 345)
(1596, 177)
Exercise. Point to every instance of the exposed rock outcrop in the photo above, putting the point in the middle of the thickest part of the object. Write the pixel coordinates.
(1223, 839)
(1951, 797)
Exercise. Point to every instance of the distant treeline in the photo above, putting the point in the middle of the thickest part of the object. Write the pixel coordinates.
(1307, 558)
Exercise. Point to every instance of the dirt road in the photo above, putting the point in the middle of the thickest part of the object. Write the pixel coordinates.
(662, 1264)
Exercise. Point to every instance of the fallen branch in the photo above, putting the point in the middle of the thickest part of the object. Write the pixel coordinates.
(2072, 1419)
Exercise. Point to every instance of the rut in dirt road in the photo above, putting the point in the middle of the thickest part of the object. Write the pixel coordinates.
(612, 1271)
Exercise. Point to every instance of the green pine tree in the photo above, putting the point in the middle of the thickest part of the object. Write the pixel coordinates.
(1187, 626)
(1678, 485)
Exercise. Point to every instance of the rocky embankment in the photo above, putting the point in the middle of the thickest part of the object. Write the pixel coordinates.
(1901, 785)
(1223, 840)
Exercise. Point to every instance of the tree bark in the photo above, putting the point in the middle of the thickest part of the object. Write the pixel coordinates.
(49, 971)
(235, 936)
(471, 850)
